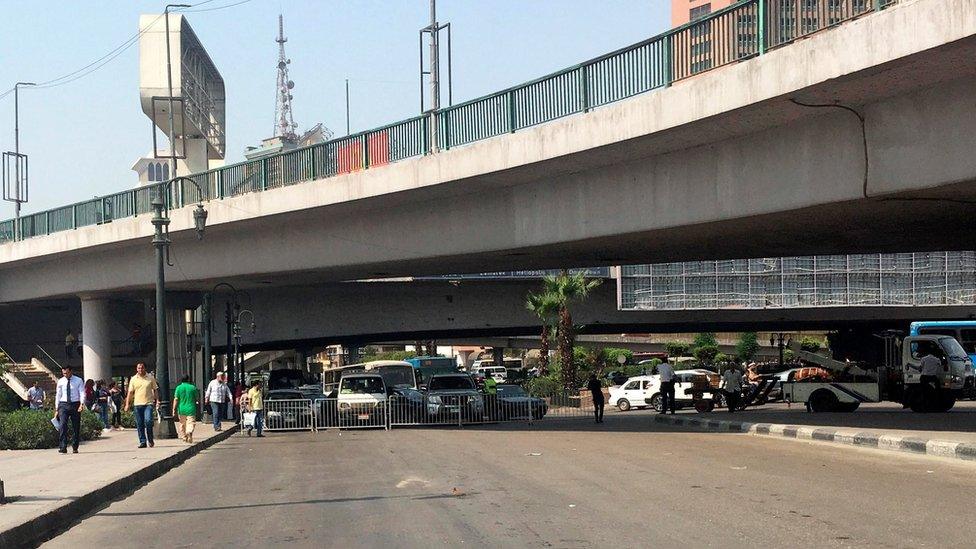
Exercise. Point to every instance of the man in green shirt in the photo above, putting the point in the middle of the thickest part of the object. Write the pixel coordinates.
(185, 399)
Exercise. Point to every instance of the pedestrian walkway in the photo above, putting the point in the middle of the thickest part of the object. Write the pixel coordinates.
(48, 490)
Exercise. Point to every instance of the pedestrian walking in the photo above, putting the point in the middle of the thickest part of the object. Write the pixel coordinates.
(596, 389)
(102, 404)
(116, 396)
(144, 396)
(35, 397)
(255, 403)
(185, 400)
(90, 400)
(666, 375)
(216, 396)
(731, 386)
(69, 398)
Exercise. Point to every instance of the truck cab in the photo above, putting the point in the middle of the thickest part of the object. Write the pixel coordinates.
(952, 376)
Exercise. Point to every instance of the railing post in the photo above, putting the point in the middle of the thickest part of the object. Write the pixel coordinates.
(133, 204)
(510, 96)
(220, 183)
(264, 174)
(668, 59)
(761, 27)
(366, 151)
(74, 216)
(584, 88)
(425, 134)
(878, 5)
(47, 222)
(445, 118)
(312, 154)
(101, 208)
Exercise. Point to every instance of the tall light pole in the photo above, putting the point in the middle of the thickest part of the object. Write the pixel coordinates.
(18, 199)
(160, 222)
(169, 84)
(435, 87)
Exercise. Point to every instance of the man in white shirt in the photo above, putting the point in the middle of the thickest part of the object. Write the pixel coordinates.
(216, 395)
(666, 373)
(69, 398)
(930, 366)
(35, 397)
(732, 386)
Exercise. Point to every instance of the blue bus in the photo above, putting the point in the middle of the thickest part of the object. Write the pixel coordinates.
(963, 330)
(426, 366)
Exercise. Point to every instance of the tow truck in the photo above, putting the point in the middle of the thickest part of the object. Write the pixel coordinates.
(896, 380)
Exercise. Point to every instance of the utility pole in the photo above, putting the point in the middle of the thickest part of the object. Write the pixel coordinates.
(435, 89)
(347, 106)
(17, 195)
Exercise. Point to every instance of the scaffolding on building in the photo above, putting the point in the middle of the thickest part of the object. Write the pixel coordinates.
(864, 280)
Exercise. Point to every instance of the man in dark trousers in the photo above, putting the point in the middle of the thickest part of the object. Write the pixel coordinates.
(596, 389)
(69, 398)
(668, 379)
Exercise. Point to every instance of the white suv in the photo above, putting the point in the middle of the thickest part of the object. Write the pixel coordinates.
(498, 373)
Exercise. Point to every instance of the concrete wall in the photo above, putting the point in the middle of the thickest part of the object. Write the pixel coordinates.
(722, 165)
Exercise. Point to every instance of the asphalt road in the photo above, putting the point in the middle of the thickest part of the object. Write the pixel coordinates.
(568, 483)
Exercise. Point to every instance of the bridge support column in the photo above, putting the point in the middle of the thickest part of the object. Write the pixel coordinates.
(96, 337)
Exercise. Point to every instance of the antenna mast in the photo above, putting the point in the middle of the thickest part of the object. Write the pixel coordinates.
(284, 123)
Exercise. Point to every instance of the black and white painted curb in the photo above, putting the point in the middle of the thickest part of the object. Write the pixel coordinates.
(861, 439)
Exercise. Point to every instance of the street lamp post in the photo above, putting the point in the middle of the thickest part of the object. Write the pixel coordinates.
(160, 222)
(18, 199)
(778, 340)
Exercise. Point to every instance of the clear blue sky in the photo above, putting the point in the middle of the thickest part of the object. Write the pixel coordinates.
(82, 137)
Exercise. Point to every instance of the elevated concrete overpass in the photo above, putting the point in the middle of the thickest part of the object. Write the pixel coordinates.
(726, 164)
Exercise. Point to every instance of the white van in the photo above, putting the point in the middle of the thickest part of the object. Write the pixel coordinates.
(362, 400)
(498, 373)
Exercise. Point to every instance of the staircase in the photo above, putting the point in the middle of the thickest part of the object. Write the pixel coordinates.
(21, 377)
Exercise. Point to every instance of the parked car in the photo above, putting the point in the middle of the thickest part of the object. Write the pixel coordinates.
(287, 415)
(514, 402)
(645, 391)
(448, 395)
(362, 400)
(616, 378)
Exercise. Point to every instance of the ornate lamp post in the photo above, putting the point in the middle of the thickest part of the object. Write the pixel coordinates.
(160, 221)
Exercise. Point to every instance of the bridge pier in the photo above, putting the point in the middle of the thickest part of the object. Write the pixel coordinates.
(96, 337)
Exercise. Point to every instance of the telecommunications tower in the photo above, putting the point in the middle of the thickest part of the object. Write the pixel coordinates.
(285, 125)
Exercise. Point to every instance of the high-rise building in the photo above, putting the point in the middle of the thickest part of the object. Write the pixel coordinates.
(684, 11)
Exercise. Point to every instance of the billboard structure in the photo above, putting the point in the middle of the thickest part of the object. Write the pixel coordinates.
(198, 93)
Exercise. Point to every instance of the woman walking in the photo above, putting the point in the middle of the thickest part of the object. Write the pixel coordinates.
(116, 395)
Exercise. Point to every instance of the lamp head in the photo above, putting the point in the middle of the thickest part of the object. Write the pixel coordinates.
(200, 220)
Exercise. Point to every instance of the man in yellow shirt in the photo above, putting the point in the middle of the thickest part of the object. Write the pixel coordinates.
(255, 403)
(143, 392)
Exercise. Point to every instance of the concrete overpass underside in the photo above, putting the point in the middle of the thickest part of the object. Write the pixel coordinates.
(727, 164)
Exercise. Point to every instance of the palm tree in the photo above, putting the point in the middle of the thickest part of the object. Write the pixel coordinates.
(567, 289)
(546, 307)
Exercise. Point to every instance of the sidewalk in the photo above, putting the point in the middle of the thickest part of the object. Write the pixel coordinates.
(883, 426)
(48, 490)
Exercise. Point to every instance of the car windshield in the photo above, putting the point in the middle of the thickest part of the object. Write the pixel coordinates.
(952, 348)
(511, 391)
(451, 383)
(361, 385)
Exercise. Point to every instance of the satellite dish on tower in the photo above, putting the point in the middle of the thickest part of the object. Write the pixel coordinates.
(281, 64)
(291, 84)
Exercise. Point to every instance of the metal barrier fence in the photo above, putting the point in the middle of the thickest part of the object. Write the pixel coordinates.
(740, 31)
(288, 415)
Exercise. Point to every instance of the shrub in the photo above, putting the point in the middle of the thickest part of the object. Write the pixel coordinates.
(810, 344)
(747, 347)
(31, 429)
(704, 339)
(544, 386)
(677, 348)
(611, 354)
(9, 400)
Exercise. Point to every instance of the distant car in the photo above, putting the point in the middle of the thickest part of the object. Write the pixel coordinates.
(498, 373)
(616, 378)
(450, 395)
(514, 402)
(645, 391)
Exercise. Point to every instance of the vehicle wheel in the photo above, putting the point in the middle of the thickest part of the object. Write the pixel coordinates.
(703, 406)
(946, 404)
(623, 405)
(655, 402)
(847, 407)
(823, 400)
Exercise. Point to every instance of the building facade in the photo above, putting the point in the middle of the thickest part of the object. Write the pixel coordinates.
(904, 279)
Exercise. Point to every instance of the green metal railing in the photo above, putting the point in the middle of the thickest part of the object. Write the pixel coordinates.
(740, 31)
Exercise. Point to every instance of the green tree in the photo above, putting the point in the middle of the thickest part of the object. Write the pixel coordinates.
(810, 344)
(747, 347)
(706, 353)
(676, 348)
(704, 339)
(610, 355)
(546, 307)
(567, 290)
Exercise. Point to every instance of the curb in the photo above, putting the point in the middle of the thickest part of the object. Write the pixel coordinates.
(53, 523)
(913, 445)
